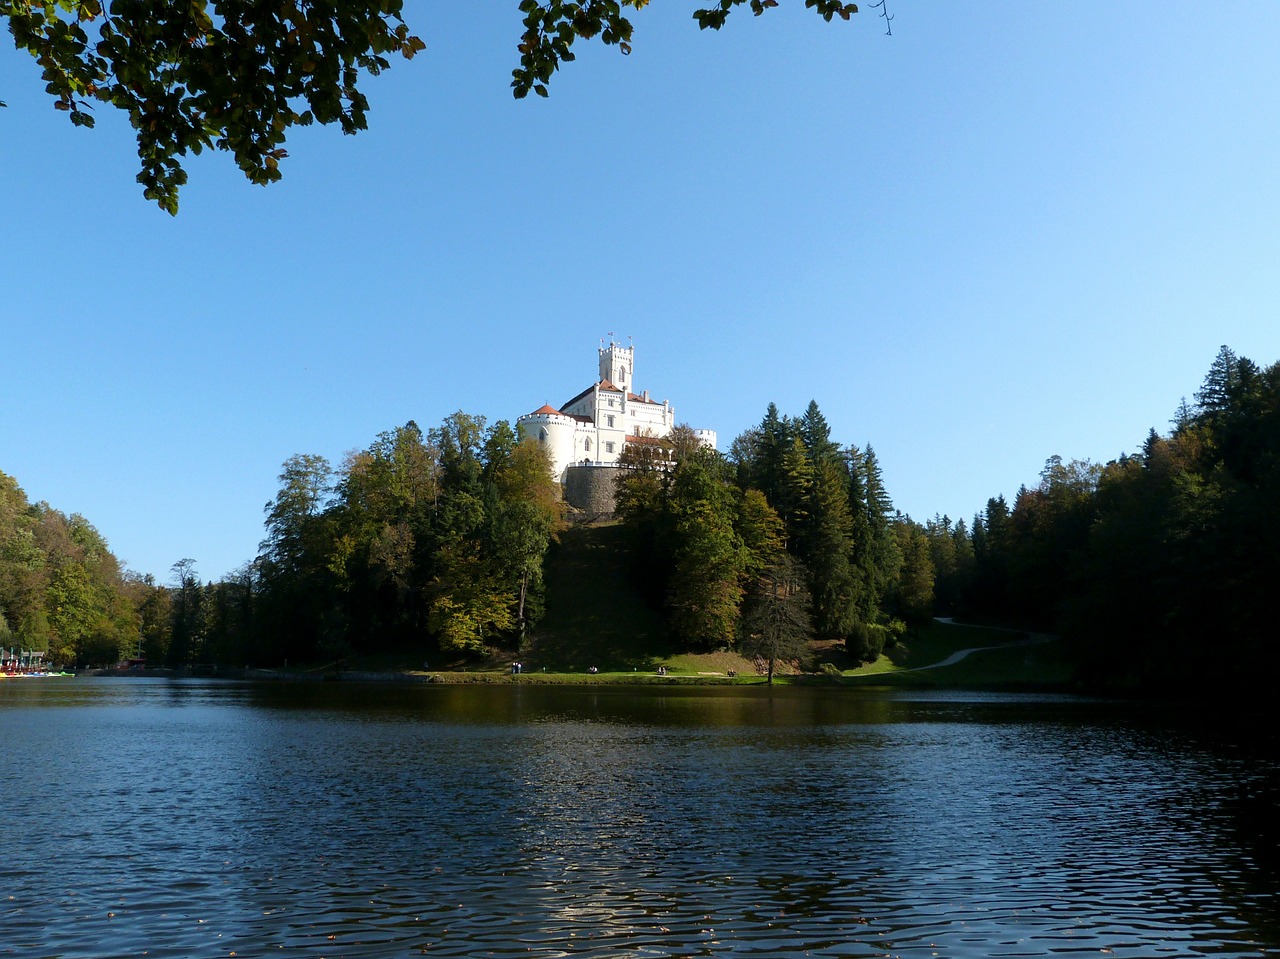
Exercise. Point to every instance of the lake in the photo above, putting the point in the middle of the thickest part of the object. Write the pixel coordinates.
(159, 818)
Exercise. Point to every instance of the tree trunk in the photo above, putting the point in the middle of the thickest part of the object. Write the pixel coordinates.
(524, 586)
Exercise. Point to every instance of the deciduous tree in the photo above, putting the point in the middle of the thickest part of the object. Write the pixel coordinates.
(236, 75)
(707, 558)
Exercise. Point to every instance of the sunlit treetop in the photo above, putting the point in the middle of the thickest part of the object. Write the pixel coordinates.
(236, 74)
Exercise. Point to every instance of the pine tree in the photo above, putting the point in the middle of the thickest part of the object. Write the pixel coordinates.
(826, 547)
(942, 554)
(913, 590)
(862, 549)
(1215, 393)
(885, 555)
(795, 486)
(816, 435)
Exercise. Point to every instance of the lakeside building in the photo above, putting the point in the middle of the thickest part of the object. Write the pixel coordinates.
(585, 437)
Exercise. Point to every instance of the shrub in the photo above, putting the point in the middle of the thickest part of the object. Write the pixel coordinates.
(866, 641)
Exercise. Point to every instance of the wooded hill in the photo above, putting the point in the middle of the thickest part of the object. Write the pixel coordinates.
(432, 546)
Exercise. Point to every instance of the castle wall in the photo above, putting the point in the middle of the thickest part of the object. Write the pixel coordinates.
(649, 416)
(590, 488)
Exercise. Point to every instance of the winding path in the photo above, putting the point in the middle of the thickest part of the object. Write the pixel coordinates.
(1035, 639)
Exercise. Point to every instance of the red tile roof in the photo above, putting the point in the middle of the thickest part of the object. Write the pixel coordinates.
(546, 409)
(650, 441)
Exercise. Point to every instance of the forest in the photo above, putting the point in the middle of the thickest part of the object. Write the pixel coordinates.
(434, 544)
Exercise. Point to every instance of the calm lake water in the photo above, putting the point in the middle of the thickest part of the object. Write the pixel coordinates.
(199, 818)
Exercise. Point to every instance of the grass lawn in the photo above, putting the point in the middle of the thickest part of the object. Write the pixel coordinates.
(1008, 664)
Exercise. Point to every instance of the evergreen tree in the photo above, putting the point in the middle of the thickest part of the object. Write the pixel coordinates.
(499, 445)
(912, 597)
(771, 445)
(776, 620)
(1214, 395)
(792, 499)
(826, 547)
(187, 615)
(942, 554)
(460, 439)
(815, 433)
(965, 569)
(229, 619)
(862, 548)
(884, 554)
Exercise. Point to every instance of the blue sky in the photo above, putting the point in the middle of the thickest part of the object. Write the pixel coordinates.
(1005, 232)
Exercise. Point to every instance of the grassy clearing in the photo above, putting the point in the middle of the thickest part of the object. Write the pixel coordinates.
(709, 664)
(924, 647)
(936, 641)
(1008, 664)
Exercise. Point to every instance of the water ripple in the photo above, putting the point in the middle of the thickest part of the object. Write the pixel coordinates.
(218, 819)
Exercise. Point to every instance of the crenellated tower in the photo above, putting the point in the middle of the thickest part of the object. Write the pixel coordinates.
(617, 365)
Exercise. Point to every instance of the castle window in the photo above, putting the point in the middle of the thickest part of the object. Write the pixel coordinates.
(610, 422)
(542, 436)
(588, 444)
(608, 447)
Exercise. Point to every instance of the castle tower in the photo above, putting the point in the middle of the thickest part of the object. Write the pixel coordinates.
(617, 365)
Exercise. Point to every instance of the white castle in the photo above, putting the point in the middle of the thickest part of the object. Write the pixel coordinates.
(592, 428)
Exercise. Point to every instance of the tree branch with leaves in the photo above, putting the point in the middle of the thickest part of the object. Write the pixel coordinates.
(235, 75)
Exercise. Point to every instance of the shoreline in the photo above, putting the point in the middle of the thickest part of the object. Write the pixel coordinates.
(492, 673)
(439, 677)
(460, 678)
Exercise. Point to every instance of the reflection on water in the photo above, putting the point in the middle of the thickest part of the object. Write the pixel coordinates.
(179, 818)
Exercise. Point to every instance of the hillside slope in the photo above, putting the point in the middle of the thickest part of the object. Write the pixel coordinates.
(597, 615)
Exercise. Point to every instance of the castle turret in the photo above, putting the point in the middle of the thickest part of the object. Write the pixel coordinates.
(557, 432)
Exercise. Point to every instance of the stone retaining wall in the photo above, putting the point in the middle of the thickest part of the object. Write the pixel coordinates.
(590, 488)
